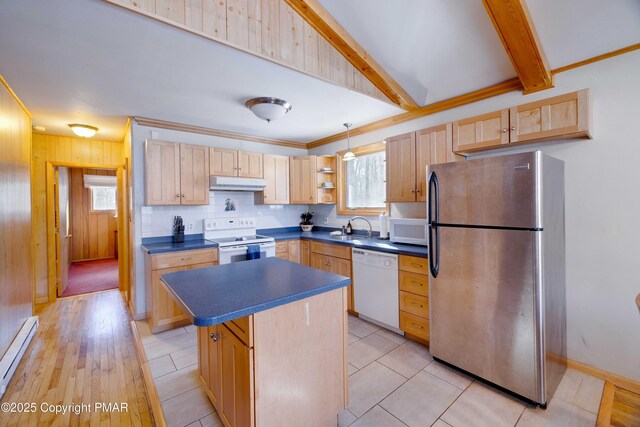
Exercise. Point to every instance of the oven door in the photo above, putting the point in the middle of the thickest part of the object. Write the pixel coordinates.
(238, 253)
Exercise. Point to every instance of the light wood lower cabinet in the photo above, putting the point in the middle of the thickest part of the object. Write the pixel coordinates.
(247, 363)
(413, 288)
(289, 250)
(334, 259)
(162, 311)
(305, 252)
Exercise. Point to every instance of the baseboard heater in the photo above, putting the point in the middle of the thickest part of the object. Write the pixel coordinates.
(11, 358)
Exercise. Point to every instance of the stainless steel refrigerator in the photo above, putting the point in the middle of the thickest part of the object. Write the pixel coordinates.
(497, 270)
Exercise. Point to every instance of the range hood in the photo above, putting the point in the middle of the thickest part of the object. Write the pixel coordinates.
(232, 183)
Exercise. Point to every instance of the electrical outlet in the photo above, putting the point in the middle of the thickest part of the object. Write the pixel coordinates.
(190, 226)
(326, 220)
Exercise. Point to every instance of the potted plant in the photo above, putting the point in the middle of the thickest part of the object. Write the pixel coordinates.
(307, 223)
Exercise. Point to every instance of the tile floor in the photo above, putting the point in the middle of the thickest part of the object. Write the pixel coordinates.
(392, 382)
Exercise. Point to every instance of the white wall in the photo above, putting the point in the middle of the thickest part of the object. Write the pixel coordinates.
(153, 221)
(602, 208)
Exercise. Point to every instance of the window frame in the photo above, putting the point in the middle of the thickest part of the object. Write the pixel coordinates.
(342, 181)
(94, 211)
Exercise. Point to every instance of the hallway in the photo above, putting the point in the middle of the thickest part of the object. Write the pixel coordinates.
(92, 276)
(82, 353)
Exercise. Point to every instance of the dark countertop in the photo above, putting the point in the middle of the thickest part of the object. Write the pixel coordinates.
(157, 245)
(213, 295)
(358, 241)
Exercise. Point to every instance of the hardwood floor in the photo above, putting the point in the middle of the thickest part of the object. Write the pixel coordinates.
(83, 354)
(619, 407)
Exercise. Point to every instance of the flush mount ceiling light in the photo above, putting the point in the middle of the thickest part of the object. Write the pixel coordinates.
(349, 154)
(84, 131)
(268, 108)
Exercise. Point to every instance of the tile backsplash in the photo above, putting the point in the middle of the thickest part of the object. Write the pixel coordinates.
(157, 220)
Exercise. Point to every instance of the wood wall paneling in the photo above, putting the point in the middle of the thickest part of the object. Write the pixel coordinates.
(16, 268)
(270, 29)
(63, 234)
(49, 150)
(93, 233)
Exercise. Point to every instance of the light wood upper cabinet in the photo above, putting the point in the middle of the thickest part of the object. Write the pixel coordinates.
(250, 164)
(407, 159)
(176, 174)
(226, 162)
(486, 130)
(434, 145)
(223, 162)
(194, 174)
(276, 172)
(302, 172)
(162, 173)
(401, 180)
(561, 116)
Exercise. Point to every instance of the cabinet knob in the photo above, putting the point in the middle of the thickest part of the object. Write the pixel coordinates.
(504, 130)
(183, 195)
(513, 128)
(214, 337)
(177, 196)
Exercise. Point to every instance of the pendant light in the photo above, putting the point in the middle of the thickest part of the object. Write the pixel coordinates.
(349, 154)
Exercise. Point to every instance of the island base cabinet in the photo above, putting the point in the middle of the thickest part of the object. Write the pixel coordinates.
(291, 372)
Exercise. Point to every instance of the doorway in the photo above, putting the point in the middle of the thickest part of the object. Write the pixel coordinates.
(86, 230)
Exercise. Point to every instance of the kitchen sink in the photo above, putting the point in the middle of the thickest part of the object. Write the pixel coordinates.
(341, 237)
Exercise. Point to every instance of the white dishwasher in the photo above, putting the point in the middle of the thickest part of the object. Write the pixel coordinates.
(375, 287)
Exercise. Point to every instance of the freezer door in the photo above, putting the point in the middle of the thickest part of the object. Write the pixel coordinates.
(484, 307)
(498, 191)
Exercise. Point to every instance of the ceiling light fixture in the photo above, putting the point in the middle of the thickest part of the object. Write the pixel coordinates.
(268, 108)
(84, 131)
(349, 154)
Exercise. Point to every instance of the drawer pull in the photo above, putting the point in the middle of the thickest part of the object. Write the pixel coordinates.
(415, 325)
(416, 283)
(416, 304)
(214, 337)
(415, 264)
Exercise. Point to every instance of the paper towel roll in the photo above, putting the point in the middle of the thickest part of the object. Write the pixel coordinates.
(384, 232)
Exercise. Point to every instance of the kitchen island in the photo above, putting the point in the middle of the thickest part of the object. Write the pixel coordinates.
(272, 340)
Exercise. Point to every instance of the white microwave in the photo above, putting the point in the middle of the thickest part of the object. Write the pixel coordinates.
(408, 230)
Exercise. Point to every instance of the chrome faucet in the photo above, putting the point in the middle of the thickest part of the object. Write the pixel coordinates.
(370, 232)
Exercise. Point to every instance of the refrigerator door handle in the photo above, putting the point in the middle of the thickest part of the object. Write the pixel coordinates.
(434, 241)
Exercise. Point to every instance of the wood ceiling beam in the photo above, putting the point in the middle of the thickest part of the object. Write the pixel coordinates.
(518, 35)
(318, 17)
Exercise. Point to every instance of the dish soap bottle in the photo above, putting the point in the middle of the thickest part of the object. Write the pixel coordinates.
(349, 229)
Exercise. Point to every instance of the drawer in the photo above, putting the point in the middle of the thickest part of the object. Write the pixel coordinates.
(415, 283)
(242, 328)
(283, 255)
(414, 325)
(182, 258)
(414, 264)
(414, 304)
(282, 246)
(338, 251)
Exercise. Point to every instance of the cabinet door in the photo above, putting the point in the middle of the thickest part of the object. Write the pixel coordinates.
(401, 171)
(203, 354)
(321, 262)
(304, 253)
(250, 164)
(485, 131)
(194, 174)
(161, 173)
(166, 313)
(424, 157)
(294, 250)
(223, 162)
(303, 180)
(236, 373)
(560, 116)
(276, 172)
(214, 382)
(343, 268)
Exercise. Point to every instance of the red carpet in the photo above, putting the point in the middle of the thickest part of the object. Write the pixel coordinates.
(92, 276)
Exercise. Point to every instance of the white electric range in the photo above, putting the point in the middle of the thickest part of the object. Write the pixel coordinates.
(234, 236)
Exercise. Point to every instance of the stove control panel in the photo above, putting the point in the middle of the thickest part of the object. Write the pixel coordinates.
(211, 224)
